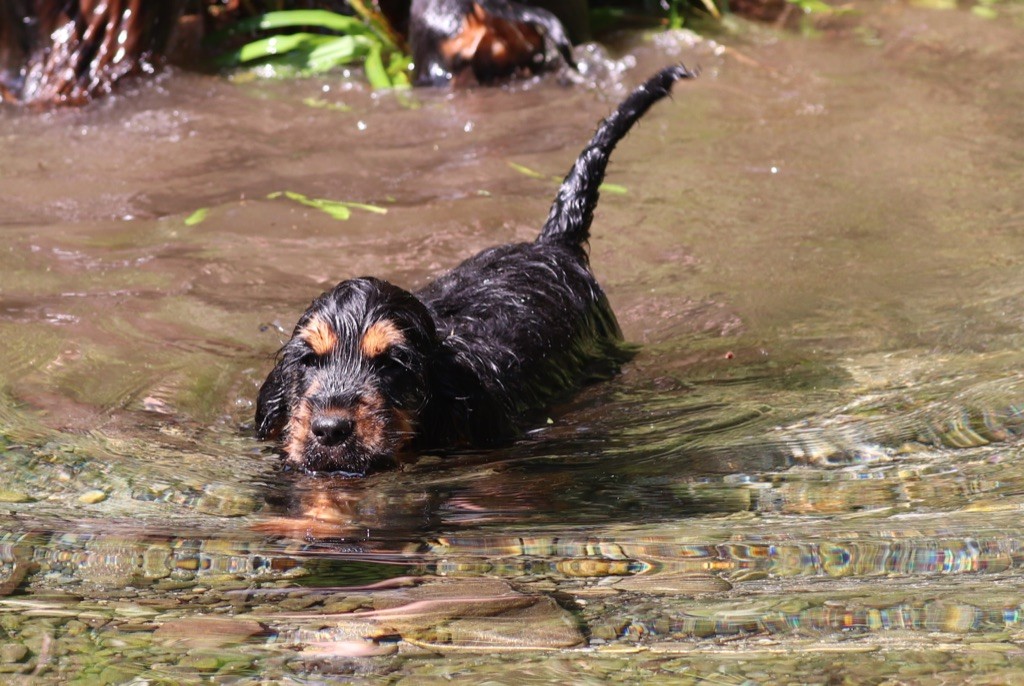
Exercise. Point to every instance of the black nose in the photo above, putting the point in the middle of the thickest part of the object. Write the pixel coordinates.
(331, 429)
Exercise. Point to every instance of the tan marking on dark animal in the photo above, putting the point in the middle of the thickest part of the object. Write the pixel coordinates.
(493, 38)
(298, 433)
(379, 337)
(371, 422)
(319, 335)
(464, 44)
(382, 429)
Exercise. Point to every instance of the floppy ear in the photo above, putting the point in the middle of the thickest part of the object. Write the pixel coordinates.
(553, 30)
(272, 403)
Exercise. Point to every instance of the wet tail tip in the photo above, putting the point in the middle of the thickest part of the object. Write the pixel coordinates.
(671, 74)
(573, 209)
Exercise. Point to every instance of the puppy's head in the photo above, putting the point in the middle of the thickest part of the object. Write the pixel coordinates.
(348, 387)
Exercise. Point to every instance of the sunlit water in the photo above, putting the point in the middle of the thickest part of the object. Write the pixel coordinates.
(812, 469)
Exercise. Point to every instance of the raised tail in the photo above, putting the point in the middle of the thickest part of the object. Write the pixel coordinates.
(573, 210)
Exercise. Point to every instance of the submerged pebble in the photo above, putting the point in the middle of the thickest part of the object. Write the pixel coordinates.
(92, 497)
(13, 652)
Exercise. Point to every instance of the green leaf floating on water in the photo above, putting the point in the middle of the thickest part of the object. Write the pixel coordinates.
(322, 104)
(369, 208)
(613, 188)
(522, 169)
(197, 217)
(339, 209)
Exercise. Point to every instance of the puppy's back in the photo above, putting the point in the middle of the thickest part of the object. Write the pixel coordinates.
(525, 324)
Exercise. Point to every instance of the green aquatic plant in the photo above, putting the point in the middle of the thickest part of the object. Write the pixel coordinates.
(321, 104)
(677, 9)
(986, 9)
(339, 209)
(197, 217)
(325, 40)
(300, 42)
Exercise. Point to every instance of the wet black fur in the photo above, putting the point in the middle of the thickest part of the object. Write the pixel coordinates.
(500, 337)
(432, 22)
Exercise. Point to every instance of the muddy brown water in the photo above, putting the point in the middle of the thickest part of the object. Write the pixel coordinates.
(811, 471)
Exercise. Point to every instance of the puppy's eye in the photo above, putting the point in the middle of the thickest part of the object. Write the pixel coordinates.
(392, 364)
(310, 359)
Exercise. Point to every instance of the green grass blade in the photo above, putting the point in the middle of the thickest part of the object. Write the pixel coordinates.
(321, 104)
(532, 173)
(339, 50)
(375, 209)
(399, 69)
(321, 19)
(335, 209)
(377, 23)
(339, 209)
(613, 188)
(197, 217)
(276, 45)
(712, 9)
(376, 74)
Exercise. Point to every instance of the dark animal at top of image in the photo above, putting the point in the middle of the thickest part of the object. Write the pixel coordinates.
(482, 41)
(373, 372)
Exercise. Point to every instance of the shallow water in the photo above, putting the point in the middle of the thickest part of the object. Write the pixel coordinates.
(811, 470)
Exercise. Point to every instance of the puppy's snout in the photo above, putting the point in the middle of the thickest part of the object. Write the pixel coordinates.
(331, 429)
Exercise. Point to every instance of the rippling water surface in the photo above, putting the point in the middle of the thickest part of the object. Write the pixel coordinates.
(813, 469)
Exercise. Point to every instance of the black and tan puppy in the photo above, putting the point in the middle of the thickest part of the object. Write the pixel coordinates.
(482, 41)
(372, 370)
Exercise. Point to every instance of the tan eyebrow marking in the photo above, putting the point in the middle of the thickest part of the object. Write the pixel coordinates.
(379, 337)
(319, 335)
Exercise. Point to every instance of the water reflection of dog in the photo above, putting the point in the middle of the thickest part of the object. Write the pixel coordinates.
(408, 505)
(372, 370)
(325, 508)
